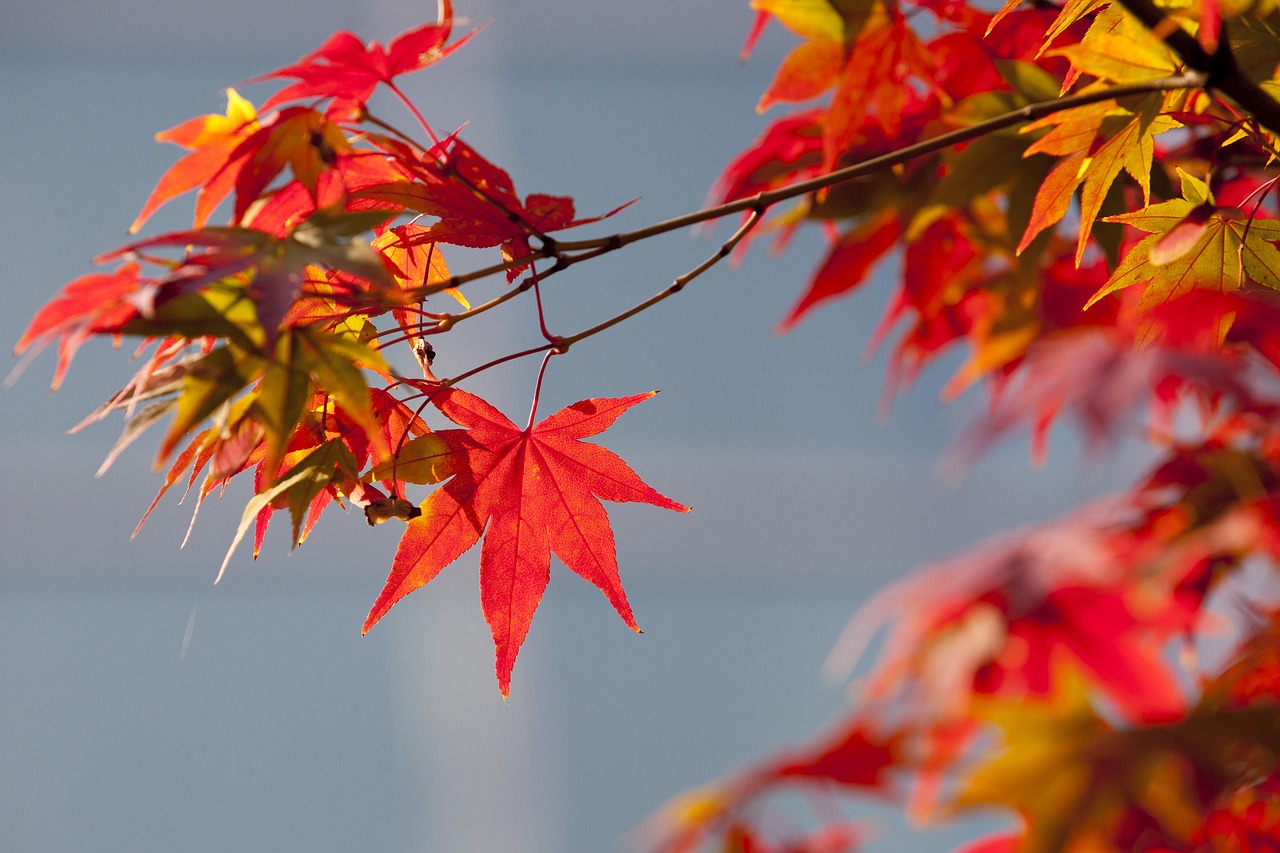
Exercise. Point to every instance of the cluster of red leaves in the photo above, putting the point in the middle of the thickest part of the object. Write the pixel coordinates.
(268, 328)
(1058, 638)
(1093, 267)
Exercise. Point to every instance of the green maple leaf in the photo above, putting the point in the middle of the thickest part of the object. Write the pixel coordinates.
(1193, 243)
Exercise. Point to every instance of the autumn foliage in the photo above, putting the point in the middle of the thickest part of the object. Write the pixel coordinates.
(1082, 197)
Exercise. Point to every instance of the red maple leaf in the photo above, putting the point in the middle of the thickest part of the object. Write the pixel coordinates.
(999, 620)
(537, 490)
(878, 87)
(477, 204)
(847, 265)
(856, 754)
(344, 68)
(97, 303)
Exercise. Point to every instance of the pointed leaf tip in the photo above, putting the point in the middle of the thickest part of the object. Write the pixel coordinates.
(527, 494)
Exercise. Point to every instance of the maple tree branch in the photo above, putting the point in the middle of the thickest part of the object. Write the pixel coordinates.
(450, 382)
(568, 253)
(757, 213)
(1222, 71)
(1193, 79)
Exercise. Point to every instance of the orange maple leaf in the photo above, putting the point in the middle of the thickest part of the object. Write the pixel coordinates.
(883, 67)
(536, 489)
(211, 139)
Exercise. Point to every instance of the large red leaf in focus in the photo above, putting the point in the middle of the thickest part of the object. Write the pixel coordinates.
(537, 490)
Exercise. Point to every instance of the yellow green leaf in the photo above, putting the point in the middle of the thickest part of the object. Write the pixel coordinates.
(210, 382)
(335, 364)
(810, 19)
(316, 470)
(1227, 249)
(1120, 58)
(1131, 149)
(425, 459)
(282, 396)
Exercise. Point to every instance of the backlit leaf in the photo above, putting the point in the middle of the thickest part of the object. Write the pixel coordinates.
(529, 492)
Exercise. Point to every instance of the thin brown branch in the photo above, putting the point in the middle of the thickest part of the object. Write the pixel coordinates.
(569, 252)
(448, 383)
(1190, 80)
(448, 321)
(675, 287)
(561, 344)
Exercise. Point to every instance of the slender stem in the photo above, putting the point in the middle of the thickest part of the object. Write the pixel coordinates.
(449, 383)
(542, 317)
(537, 388)
(395, 131)
(414, 110)
(676, 286)
(448, 321)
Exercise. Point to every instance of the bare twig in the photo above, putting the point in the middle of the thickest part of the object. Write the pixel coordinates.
(676, 286)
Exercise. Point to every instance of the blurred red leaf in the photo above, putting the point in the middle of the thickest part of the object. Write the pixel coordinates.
(847, 265)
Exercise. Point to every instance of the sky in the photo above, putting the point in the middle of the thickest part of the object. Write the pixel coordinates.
(142, 708)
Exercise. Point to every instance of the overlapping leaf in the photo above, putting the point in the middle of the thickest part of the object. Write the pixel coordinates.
(212, 139)
(477, 206)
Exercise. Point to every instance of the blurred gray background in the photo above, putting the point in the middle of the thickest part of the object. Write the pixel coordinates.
(144, 709)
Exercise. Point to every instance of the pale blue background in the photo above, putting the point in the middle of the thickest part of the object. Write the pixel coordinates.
(143, 709)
